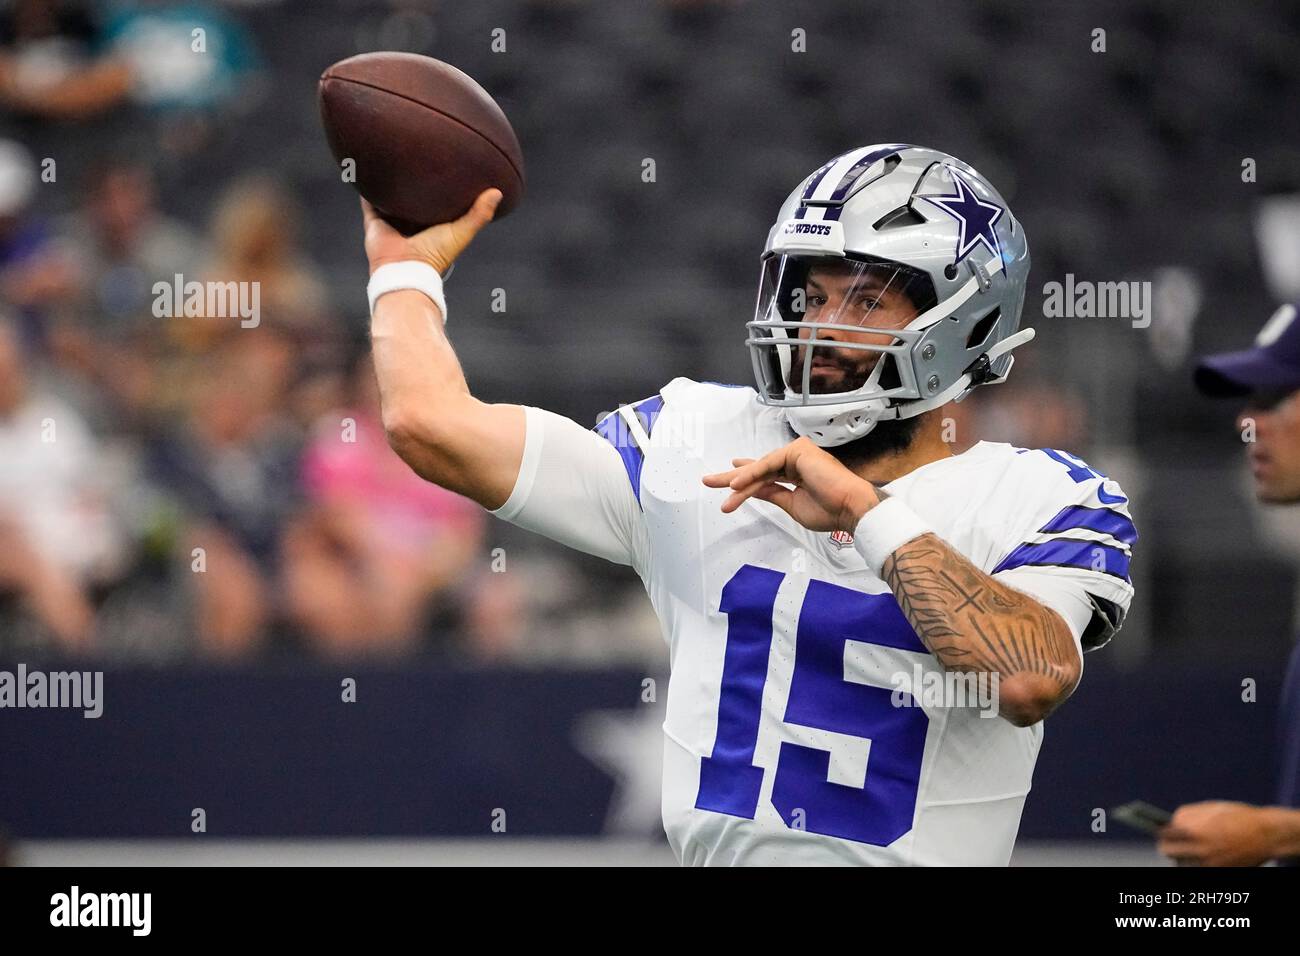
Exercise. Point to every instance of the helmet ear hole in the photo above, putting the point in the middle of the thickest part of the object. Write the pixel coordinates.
(888, 373)
(983, 329)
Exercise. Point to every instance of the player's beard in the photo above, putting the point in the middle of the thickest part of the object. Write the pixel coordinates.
(852, 368)
(887, 438)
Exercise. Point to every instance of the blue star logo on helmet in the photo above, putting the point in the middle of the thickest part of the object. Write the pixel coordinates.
(976, 216)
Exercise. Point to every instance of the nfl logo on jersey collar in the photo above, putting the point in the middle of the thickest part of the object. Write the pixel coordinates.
(841, 539)
(835, 548)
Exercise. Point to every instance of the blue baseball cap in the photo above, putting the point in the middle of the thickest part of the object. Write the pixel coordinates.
(1273, 365)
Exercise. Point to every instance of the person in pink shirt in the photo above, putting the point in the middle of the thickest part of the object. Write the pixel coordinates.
(376, 549)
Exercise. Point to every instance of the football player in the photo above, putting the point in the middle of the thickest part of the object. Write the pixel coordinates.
(817, 555)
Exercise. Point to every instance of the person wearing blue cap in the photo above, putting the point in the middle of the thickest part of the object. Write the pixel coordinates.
(1266, 377)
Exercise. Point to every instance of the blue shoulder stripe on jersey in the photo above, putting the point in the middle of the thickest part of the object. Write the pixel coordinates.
(648, 410)
(1068, 553)
(614, 430)
(1102, 520)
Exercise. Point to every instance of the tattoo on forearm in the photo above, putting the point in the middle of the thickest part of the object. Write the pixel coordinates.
(971, 622)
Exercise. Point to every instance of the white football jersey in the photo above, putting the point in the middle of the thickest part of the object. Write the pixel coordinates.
(788, 738)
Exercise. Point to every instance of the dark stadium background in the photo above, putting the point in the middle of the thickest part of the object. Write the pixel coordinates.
(519, 681)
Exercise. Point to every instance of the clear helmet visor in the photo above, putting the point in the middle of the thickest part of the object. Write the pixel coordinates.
(830, 329)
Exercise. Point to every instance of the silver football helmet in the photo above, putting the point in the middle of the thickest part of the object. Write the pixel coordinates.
(892, 283)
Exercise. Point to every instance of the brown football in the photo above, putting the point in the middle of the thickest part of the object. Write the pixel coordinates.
(424, 138)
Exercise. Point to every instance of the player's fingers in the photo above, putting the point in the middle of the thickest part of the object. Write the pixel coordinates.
(720, 480)
(740, 494)
(778, 495)
(764, 469)
(748, 471)
(370, 216)
(734, 501)
(452, 238)
(481, 213)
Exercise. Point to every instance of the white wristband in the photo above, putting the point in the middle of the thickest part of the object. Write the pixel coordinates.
(420, 276)
(884, 529)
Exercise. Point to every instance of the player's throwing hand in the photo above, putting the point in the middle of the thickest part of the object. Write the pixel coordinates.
(438, 245)
(826, 495)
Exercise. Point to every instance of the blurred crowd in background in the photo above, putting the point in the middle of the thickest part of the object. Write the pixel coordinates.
(197, 486)
(192, 485)
(185, 487)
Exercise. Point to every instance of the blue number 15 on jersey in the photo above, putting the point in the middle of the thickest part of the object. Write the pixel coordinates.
(820, 698)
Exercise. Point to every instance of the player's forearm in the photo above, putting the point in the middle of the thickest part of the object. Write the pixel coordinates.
(974, 623)
(421, 386)
(442, 432)
(414, 361)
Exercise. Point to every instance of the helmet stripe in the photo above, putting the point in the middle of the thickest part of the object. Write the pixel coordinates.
(861, 166)
(829, 181)
(817, 177)
(833, 181)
